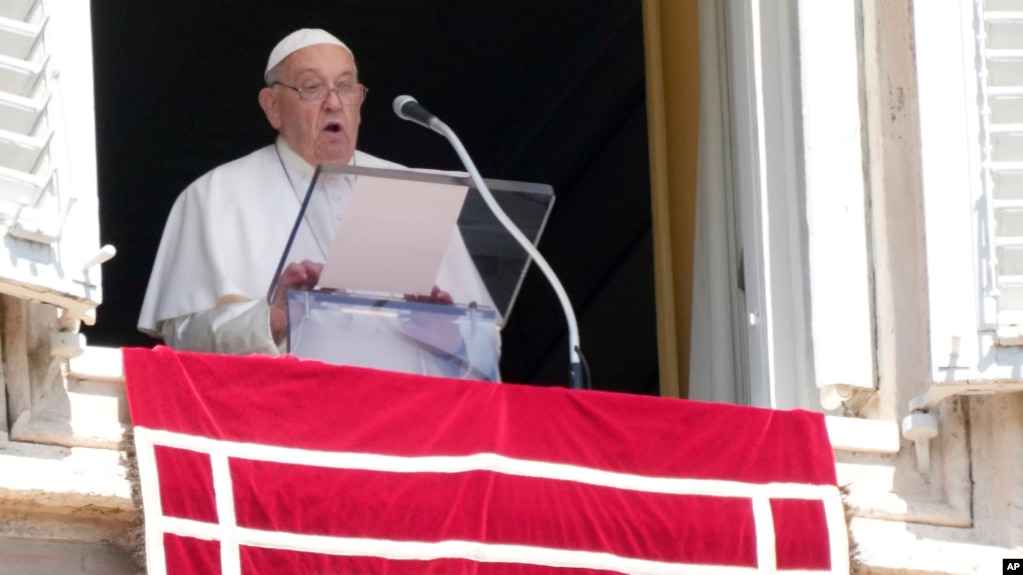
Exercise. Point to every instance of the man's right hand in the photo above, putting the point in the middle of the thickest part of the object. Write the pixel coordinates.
(304, 275)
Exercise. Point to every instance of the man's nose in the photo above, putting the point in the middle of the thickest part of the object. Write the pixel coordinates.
(333, 100)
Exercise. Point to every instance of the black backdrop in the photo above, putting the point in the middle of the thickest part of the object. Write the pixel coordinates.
(538, 90)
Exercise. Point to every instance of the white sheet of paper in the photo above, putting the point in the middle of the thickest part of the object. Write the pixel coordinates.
(392, 236)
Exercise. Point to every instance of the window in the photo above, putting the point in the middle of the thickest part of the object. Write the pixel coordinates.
(1000, 86)
(971, 122)
(795, 210)
(49, 222)
(48, 209)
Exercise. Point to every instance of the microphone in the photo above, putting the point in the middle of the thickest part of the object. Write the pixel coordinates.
(407, 108)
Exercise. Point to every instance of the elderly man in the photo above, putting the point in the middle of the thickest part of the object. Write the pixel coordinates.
(226, 231)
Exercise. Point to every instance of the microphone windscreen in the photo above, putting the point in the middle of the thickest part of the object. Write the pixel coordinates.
(400, 103)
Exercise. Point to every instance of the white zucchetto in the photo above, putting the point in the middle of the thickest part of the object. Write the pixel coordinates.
(296, 41)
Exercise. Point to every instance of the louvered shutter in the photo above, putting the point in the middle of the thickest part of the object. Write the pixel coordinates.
(48, 204)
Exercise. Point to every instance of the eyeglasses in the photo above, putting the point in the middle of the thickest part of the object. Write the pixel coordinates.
(348, 92)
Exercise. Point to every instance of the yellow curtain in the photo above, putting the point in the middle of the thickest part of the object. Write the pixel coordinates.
(671, 45)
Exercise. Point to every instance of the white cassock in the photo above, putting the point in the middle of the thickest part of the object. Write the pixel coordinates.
(224, 239)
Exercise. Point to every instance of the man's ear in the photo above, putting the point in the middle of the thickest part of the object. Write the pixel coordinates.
(268, 101)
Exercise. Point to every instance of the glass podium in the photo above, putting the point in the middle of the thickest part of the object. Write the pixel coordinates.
(361, 318)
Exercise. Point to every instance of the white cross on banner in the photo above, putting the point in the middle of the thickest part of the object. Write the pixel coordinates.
(258, 465)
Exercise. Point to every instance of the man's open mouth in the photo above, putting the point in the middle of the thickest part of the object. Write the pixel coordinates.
(333, 127)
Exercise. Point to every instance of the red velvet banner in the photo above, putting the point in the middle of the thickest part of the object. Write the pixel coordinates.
(254, 465)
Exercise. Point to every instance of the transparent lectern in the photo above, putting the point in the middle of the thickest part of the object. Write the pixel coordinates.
(388, 239)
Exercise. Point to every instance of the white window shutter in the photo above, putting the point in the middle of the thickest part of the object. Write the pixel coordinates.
(970, 88)
(1000, 80)
(838, 268)
(49, 219)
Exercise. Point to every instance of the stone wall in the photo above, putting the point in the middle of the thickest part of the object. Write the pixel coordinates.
(21, 556)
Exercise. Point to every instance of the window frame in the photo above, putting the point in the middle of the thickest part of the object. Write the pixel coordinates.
(810, 330)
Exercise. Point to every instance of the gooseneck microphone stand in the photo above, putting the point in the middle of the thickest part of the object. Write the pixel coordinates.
(407, 108)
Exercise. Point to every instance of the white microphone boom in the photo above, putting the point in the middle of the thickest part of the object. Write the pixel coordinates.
(407, 108)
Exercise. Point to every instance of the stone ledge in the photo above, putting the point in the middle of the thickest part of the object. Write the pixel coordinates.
(79, 480)
(98, 364)
(863, 435)
(56, 527)
(44, 555)
(890, 548)
(78, 414)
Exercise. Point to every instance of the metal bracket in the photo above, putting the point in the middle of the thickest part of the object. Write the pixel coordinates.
(921, 428)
